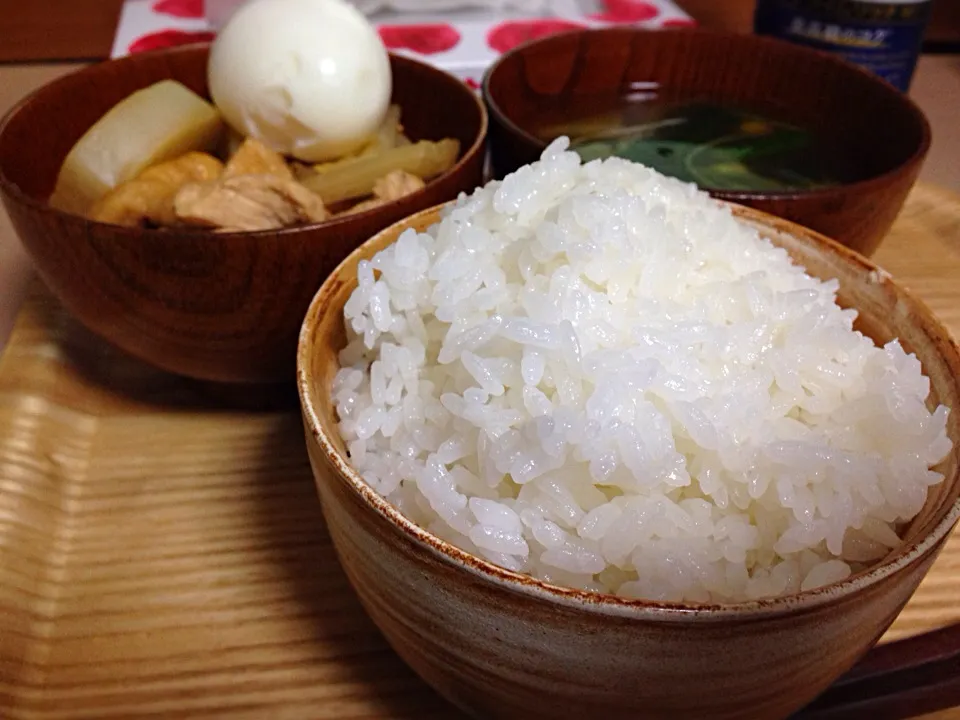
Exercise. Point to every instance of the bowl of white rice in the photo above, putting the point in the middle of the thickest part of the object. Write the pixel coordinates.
(589, 441)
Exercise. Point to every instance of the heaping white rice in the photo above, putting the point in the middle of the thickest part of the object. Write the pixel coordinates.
(595, 375)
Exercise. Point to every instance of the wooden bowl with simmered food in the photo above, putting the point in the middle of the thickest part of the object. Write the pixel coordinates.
(211, 302)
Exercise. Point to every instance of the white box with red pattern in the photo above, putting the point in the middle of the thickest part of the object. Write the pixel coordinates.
(463, 39)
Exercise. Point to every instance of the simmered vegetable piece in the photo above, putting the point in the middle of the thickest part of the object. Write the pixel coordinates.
(355, 177)
(158, 123)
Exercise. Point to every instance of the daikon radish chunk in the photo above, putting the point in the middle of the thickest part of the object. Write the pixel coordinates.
(155, 124)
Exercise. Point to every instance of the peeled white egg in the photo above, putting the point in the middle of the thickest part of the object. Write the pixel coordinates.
(309, 78)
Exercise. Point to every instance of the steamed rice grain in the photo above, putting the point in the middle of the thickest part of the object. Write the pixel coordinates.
(593, 374)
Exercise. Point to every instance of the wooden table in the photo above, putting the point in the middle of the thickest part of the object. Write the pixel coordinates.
(163, 554)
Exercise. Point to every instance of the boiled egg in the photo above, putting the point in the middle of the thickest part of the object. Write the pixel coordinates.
(309, 78)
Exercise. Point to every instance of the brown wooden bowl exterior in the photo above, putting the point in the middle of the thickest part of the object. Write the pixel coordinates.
(224, 307)
(887, 132)
(502, 645)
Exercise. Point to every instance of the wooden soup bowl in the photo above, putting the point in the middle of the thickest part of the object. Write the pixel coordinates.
(884, 133)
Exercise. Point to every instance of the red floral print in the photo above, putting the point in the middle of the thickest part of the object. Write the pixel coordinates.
(427, 39)
(626, 11)
(179, 8)
(507, 35)
(167, 38)
(679, 23)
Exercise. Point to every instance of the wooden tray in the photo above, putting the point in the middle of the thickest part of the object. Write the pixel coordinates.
(162, 550)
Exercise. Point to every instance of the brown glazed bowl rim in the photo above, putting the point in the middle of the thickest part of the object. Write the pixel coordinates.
(602, 603)
(801, 52)
(12, 190)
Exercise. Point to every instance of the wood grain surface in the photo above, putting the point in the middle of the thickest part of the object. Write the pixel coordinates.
(42, 30)
(163, 554)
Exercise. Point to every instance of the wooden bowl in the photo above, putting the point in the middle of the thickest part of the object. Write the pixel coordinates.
(503, 645)
(212, 306)
(886, 134)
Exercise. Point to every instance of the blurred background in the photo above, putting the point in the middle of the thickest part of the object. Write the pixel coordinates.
(43, 30)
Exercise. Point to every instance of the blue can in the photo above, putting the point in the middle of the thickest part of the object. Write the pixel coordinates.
(883, 36)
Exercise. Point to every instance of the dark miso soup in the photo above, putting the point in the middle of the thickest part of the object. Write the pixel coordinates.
(717, 146)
